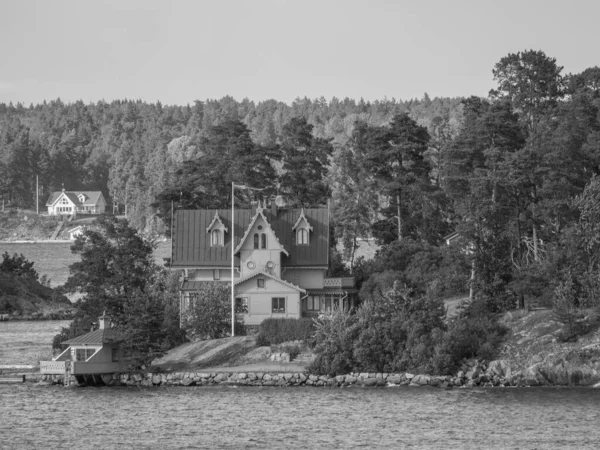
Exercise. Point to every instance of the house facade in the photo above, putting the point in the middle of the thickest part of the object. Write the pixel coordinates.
(281, 257)
(76, 202)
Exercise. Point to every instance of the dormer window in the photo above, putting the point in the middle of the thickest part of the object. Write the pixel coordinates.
(216, 238)
(81, 198)
(263, 240)
(255, 241)
(217, 231)
(302, 229)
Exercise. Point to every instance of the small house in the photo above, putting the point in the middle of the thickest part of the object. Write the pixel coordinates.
(89, 356)
(74, 232)
(281, 258)
(75, 203)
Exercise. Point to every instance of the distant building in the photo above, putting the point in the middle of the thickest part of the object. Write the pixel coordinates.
(76, 202)
(281, 257)
(74, 232)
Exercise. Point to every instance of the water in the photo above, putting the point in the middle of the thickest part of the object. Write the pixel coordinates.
(217, 417)
(28, 342)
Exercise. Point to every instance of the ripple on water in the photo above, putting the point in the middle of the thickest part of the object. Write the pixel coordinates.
(54, 417)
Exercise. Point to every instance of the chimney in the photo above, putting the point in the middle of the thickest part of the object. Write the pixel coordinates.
(103, 322)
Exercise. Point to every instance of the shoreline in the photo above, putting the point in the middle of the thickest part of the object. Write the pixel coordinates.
(39, 241)
(299, 379)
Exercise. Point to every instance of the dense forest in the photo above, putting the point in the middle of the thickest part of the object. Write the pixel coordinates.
(131, 150)
(514, 174)
(505, 171)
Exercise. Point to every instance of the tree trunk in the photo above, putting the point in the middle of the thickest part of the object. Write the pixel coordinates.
(399, 217)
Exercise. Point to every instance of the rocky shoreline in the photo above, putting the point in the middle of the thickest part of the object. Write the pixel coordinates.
(473, 374)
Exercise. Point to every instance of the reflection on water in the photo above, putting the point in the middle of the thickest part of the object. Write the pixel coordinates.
(204, 417)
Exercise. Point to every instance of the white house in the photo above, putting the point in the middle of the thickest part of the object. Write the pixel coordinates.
(76, 202)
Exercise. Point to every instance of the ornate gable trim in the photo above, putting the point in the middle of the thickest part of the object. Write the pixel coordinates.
(215, 220)
(259, 212)
(272, 277)
(299, 221)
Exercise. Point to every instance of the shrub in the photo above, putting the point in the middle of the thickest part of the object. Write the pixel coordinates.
(473, 335)
(275, 331)
(209, 313)
(334, 339)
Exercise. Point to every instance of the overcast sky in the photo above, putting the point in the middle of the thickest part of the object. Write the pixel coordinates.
(181, 51)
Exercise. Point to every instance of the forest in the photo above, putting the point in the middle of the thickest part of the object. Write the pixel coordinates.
(515, 174)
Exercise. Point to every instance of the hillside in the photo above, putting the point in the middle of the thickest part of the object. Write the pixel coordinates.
(25, 225)
(27, 298)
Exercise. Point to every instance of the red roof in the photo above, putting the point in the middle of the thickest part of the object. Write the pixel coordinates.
(191, 242)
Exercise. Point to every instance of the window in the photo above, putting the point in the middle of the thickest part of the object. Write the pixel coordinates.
(256, 240)
(64, 201)
(82, 354)
(260, 282)
(115, 354)
(263, 240)
(241, 305)
(216, 238)
(328, 304)
(216, 274)
(302, 238)
(278, 304)
(313, 303)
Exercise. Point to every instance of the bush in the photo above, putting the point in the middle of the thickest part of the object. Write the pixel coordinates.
(209, 313)
(473, 335)
(334, 339)
(275, 331)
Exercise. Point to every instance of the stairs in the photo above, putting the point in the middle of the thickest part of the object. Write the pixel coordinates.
(56, 231)
(304, 358)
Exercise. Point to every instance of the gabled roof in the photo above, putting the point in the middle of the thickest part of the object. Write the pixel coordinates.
(272, 277)
(98, 337)
(259, 212)
(215, 220)
(92, 197)
(191, 244)
(299, 221)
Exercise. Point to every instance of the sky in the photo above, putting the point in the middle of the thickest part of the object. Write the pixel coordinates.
(181, 51)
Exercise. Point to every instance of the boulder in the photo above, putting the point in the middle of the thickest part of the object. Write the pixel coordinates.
(156, 379)
(421, 380)
(188, 382)
(394, 379)
(369, 382)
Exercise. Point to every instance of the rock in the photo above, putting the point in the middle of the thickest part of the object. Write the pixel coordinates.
(421, 380)
(302, 377)
(219, 377)
(340, 378)
(381, 381)
(241, 376)
(394, 379)
(364, 375)
(409, 376)
(313, 377)
(378, 375)
(350, 380)
(203, 375)
(497, 367)
(136, 377)
(267, 377)
(156, 379)
(251, 377)
(473, 373)
(596, 386)
(369, 382)
(188, 382)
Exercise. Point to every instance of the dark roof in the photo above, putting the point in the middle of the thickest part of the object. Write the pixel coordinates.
(98, 337)
(191, 242)
(91, 197)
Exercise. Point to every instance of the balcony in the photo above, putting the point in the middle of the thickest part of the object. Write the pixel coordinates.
(53, 367)
(339, 283)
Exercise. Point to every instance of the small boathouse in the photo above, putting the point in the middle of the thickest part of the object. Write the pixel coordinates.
(89, 357)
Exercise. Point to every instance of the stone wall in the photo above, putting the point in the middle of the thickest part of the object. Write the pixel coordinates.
(472, 374)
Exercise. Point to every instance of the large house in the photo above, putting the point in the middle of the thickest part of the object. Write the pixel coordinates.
(76, 202)
(280, 263)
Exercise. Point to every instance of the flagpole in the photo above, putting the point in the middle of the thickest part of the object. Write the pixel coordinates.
(232, 255)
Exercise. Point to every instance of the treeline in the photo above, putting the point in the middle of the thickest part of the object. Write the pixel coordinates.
(130, 150)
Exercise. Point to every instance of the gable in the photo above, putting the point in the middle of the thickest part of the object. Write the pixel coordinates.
(276, 280)
(257, 227)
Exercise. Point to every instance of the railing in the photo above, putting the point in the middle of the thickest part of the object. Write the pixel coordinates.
(53, 367)
(339, 282)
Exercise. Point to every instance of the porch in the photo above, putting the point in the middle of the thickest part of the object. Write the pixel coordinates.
(337, 292)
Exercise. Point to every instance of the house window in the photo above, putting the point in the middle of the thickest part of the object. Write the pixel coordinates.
(260, 282)
(115, 354)
(302, 238)
(216, 238)
(82, 354)
(328, 304)
(313, 303)
(256, 240)
(64, 201)
(216, 274)
(263, 240)
(241, 305)
(278, 304)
